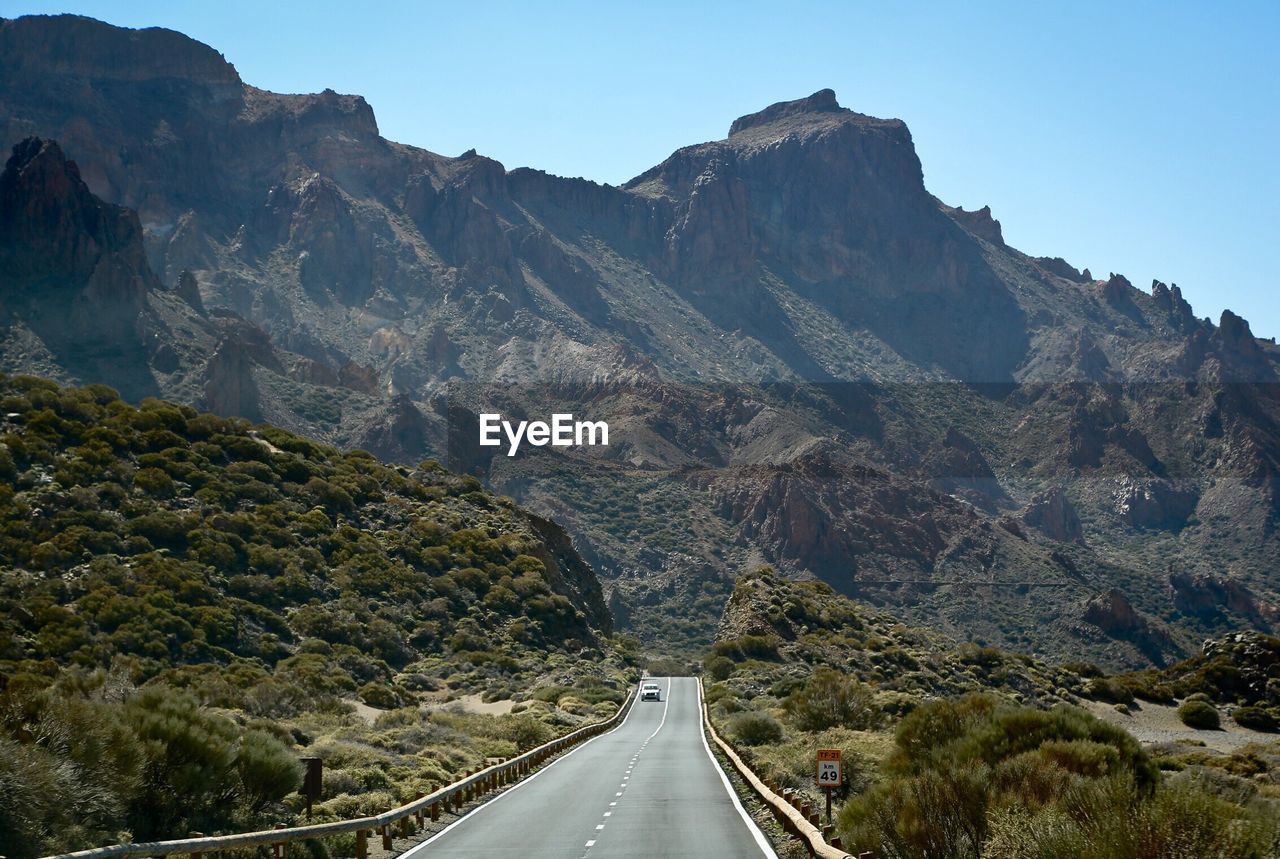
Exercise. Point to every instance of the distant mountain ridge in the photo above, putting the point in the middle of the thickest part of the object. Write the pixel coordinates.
(806, 356)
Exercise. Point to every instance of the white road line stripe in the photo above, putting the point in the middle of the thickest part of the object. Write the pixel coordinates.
(408, 854)
(665, 705)
(761, 841)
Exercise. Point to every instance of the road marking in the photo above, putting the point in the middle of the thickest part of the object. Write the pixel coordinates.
(761, 841)
(665, 705)
(413, 850)
(599, 826)
(591, 844)
(612, 804)
(608, 814)
(619, 793)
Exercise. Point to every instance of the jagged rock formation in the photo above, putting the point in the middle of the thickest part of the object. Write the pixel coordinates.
(1052, 513)
(1155, 503)
(803, 354)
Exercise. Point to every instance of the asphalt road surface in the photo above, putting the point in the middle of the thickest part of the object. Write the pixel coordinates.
(647, 788)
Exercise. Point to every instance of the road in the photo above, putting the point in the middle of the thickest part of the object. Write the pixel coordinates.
(647, 788)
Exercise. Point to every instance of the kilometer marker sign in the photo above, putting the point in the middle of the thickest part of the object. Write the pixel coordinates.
(829, 768)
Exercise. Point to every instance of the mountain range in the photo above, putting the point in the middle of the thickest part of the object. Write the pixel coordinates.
(805, 358)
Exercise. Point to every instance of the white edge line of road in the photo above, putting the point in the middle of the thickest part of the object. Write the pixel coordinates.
(413, 850)
(666, 704)
(761, 841)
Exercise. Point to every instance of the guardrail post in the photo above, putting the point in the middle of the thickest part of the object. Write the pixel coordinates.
(277, 849)
(362, 844)
(435, 811)
(386, 836)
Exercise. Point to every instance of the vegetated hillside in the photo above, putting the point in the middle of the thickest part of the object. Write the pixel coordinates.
(962, 751)
(804, 356)
(182, 540)
(188, 602)
(778, 632)
(1241, 670)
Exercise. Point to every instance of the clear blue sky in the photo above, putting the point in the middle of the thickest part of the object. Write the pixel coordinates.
(1131, 137)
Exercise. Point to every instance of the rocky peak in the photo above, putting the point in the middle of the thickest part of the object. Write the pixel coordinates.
(55, 233)
(978, 222)
(1234, 333)
(1238, 350)
(82, 47)
(822, 101)
(1060, 267)
(1161, 296)
(1118, 291)
(188, 289)
(1169, 299)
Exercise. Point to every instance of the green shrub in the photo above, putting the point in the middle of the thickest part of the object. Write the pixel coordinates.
(755, 728)
(718, 667)
(748, 647)
(379, 695)
(1109, 689)
(268, 770)
(1256, 719)
(831, 699)
(958, 765)
(1199, 714)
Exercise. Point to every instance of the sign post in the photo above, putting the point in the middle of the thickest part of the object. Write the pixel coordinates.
(830, 776)
(312, 781)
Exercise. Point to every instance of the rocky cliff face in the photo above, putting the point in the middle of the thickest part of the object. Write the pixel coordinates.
(804, 356)
(56, 235)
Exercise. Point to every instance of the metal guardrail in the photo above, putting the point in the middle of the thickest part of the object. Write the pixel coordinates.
(795, 814)
(450, 796)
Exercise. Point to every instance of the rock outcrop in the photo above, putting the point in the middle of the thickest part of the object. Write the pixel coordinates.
(1207, 595)
(1112, 613)
(55, 235)
(1052, 514)
(956, 466)
(978, 222)
(1155, 503)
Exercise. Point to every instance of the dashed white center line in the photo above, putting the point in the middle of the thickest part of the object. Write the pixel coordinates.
(627, 777)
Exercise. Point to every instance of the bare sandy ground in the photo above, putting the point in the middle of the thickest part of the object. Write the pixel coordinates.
(1158, 723)
(466, 703)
